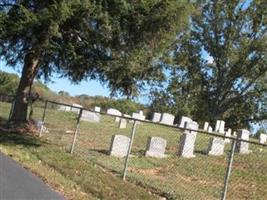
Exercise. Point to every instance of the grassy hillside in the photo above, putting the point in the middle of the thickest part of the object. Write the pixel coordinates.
(173, 177)
(70, 175)
(9, 83)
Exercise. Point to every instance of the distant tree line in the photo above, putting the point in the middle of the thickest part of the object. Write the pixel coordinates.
(9, 83)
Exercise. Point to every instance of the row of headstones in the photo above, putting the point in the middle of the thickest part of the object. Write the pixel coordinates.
(95, 117)
(220, 128)
(156, 146)
(86, 115)
(164, 118)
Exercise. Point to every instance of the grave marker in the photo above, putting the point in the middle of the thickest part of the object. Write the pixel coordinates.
(119, 145)
(97, 109)
(216, 146)
(64, 108)
(167, 118)
(228, 133)
(156, 117)
(77, 108)
(210, 130)
(184, 120)
(113, 111)
(123, 123)
(263, 138)
(220, 126)
(156, 147)
(90, 116)
(138, 116)
(206, 126)
(187, 141)
(243, 147)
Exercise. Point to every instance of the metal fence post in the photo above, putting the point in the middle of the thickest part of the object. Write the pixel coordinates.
(76, 132)
(43, 119)
(129, 151)
(229, 169)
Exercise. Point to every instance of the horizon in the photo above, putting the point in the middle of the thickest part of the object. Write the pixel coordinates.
(84, 87)
(95, 88)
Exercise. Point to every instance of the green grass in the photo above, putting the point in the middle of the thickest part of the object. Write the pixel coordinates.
(72, 176)
(173, 177)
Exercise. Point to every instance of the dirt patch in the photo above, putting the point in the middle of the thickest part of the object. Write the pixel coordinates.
(240, 190)
(155, 172)
(198, 180)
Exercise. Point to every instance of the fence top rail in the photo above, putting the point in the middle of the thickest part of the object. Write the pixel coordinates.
(216, 134)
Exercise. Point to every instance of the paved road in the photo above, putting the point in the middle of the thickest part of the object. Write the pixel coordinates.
(16, 183)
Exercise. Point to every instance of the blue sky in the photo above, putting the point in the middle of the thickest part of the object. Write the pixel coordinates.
(91, 88)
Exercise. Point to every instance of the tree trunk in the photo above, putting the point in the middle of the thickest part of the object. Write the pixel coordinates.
(19, 112)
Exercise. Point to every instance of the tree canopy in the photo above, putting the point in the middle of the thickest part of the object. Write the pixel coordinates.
(117, 42)
(114, 41)
(219, 70)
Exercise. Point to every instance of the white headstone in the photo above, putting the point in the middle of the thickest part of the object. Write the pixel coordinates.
(90, 116)
(77, 108)
(195, 125)
(117, 119)
(184, 120)
(64, 108)
(243, 147)
(187, 141)
(138, 116)
(113, 111)
(220, 126)
(167, 118)
(210, 129)
(216, 147)
(234, 134)
(156, 147)
(206, 126)
(263, 138)
(119, 145)
(123, 123)
(97, 109)
(125, 115)
(228, 133)
(156, 117)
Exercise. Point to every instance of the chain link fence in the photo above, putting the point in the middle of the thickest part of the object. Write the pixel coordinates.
(170, 162)
(5, 107)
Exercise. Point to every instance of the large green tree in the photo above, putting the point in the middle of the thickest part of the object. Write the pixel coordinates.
(115, 41)
(220, 67)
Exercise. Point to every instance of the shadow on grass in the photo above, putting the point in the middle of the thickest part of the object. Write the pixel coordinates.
(202, 152)
(3, 121)
(19, 139)
(101, 151)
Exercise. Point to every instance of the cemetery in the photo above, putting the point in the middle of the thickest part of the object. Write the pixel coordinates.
(162, 156)
(134, 100)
